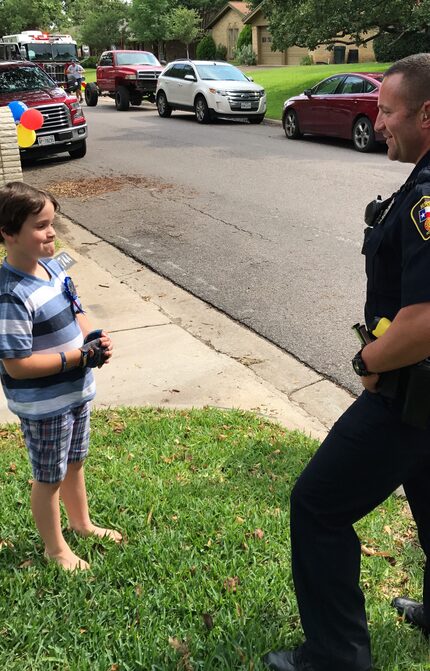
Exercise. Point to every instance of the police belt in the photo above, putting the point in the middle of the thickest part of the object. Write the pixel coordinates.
(409, 389)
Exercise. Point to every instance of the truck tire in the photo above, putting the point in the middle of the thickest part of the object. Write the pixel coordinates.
(79, 151)
(91, 94)
(136, 99)
(122, 98)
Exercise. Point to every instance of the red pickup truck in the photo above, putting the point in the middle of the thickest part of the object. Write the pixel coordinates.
(64, 126)
(126, 76)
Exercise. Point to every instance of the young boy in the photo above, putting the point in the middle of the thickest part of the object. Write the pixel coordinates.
(45, 366)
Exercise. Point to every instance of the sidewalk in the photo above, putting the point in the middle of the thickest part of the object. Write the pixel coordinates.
(171, 349)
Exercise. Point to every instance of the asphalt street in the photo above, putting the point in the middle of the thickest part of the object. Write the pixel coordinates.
(267, 230)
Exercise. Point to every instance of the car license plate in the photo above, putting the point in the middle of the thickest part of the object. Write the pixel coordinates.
(46, 139)
(245, 106)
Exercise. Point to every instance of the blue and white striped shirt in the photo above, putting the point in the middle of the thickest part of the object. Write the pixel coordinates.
(37, 316)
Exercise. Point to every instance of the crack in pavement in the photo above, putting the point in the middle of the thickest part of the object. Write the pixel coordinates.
(226, 223)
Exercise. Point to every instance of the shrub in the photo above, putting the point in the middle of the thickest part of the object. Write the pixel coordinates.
(221, 52)
(90, 62)
(307, 60)
(206, 49)
(390, 47)
(245, 37)
(245, 55)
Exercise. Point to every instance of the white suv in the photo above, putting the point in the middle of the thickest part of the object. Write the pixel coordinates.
(209, 89)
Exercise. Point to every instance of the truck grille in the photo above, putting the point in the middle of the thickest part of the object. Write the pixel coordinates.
(56, 71)
(55, 117)
(236, 98)
(147, 74)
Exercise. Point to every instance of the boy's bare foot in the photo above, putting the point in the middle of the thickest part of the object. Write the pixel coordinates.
(68, 560)
(92, 530)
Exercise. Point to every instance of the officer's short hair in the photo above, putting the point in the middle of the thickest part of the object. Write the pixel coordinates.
(416, 78)
(17, 201)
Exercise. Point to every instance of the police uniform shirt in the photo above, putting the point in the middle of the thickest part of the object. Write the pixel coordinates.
(398, 250)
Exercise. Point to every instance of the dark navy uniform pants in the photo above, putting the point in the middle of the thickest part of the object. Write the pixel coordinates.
(368, 453)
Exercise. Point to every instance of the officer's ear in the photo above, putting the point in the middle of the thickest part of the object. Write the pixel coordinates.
(426, 114)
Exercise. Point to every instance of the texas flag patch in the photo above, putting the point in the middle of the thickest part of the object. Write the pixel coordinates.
(420, 215)
(424, 214)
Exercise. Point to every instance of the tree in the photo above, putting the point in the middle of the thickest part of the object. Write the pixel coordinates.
(184, 25)
(309, 23)
(19, 15)
(105, 23)
(149, 21)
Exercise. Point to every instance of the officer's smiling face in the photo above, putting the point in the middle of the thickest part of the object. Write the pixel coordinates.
(406, 137)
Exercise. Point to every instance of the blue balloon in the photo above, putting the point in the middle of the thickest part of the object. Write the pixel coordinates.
(17, 108)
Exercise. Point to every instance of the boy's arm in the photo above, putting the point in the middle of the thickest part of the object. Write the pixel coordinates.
(40, 365)
(84, 323)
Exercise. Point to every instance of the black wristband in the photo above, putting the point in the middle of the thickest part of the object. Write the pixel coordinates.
(359, 366)
(84, 359)
(63, 362)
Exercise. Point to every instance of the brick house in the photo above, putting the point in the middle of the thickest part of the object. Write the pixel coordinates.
(227, 24)
(262, 46)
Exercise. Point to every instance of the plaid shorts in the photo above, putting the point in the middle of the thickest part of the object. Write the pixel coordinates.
(54, 442)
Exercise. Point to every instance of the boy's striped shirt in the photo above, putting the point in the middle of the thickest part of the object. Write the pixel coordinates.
(37, 316)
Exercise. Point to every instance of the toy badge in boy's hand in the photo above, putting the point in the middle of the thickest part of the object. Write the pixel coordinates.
(92, 352)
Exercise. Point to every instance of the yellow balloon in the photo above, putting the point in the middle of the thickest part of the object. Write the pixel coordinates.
(26, 137)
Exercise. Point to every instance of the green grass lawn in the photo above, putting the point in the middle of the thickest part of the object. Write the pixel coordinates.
(90, 75)
(282, 83)
(204, 580)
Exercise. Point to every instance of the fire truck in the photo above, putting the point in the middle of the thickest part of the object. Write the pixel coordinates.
(51, 51)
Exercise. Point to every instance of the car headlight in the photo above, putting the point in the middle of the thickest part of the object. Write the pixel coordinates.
(130, 77)
(218, 91)
(75, 106)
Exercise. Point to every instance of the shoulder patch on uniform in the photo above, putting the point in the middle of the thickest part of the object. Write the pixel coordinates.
(420, 215)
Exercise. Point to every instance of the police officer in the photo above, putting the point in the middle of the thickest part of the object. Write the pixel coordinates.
(373, 447)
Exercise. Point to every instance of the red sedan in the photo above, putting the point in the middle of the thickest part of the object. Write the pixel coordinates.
(344, 105)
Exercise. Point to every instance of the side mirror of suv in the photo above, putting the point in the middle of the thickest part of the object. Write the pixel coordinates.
(190, 78)
(308, 93)
(250, 79)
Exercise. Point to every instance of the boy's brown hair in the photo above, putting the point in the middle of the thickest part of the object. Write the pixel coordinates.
(17, 201)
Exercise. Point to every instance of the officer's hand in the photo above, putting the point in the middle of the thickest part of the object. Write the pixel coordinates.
(370, 382)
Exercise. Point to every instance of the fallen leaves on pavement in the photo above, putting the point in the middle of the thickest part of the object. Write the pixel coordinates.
(88, 187)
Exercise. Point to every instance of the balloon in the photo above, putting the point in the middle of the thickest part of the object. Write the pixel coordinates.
(26, 137)
(32, 119)
(17, 108)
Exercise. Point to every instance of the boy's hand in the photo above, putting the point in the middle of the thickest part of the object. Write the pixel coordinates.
(107, 345)
(105, 342)
(92, 354)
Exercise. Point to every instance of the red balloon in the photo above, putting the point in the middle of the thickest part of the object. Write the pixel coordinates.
(32, 119)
